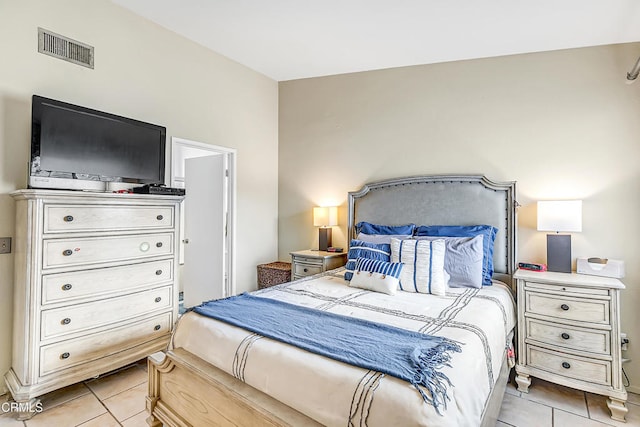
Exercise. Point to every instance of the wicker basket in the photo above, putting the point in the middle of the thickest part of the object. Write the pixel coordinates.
(273, 273)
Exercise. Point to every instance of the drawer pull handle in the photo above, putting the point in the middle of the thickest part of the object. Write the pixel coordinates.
(64, 355)
(159, 217)
(65, 321)
(159, 245)
(156, 328)
(158, 272)
(67, 252)
(158, 299)
(565, 307)
(566, 365)
(565, 336)
(66, 287)
(68, 218)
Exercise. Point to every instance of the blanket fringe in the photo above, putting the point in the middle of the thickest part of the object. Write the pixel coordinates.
(427, 375)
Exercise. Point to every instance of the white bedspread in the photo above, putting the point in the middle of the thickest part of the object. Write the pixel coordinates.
(337, 394)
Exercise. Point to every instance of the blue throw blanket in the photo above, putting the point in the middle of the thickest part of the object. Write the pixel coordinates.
(410, 356)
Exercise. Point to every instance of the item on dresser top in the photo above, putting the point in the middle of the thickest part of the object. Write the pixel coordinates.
(532, 266)
(601, 267)
(158, 190)
(334, 249)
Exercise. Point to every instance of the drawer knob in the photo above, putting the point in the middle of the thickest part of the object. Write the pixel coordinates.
(65, 321)
(68, 218)
(565, 336)
(159, 217)
(159, 245)
(66, 287)
(566, 365)
(156, 328)
(144, 246)
(158, 299)
(64, 355)
(158, 272)
(67, 252)
(305, 270)
(565, 307)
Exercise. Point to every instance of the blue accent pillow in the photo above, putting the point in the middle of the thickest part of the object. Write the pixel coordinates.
(488, 233)
(375, 275)
(369, 228)
(360, 249)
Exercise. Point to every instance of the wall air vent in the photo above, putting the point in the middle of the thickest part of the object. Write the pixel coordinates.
(61, 47)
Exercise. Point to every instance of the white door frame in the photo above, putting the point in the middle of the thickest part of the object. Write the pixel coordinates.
(178, 181)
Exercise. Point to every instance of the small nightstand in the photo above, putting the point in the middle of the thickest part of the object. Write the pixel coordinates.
(307, 263)
(569, 334)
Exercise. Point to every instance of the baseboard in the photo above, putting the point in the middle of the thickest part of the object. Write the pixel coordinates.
(633, 389)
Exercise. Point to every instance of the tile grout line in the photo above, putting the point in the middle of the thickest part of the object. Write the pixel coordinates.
(104, 406)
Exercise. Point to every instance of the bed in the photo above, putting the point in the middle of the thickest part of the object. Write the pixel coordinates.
(218, 374)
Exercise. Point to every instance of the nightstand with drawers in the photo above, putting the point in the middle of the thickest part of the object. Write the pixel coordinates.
(308, 263)
(569, 334)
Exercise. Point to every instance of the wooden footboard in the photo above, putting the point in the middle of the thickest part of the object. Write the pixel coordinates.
(184, 390)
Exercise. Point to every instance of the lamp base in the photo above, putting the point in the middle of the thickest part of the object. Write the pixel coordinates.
(559, 253)
(324, 240)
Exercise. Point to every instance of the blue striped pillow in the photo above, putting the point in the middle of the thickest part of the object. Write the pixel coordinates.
(358, 248)
(423, 271)
(376, 275)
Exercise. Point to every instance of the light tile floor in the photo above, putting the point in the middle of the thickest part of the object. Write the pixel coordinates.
(117, 400)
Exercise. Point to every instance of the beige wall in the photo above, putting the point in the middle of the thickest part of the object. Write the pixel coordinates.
(151, 74)
(562, 124)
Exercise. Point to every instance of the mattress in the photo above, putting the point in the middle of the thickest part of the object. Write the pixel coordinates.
(337, 394)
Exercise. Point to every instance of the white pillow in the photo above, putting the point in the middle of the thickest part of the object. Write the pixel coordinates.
(423, 261)
(376, 275)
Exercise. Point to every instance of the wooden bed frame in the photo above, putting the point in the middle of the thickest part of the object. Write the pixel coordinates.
(185, 390)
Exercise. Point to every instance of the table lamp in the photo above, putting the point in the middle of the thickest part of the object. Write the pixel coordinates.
(559, 216)
(325, 218)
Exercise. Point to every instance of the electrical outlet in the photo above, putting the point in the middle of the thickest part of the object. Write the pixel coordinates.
(5, 245)
(624, 341)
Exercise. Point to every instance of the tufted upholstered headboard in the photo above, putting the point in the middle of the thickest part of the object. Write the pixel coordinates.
(443, 200)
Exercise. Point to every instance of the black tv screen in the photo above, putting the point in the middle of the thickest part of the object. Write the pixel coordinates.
(70, 142)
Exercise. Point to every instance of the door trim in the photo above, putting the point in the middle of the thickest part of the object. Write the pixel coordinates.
(176, 181)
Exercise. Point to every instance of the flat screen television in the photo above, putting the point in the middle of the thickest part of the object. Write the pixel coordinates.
(77, 148)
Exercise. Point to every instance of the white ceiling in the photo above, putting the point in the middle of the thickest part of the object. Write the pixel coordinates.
(293, 39)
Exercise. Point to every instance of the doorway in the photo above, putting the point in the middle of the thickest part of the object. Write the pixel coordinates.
(207, 229)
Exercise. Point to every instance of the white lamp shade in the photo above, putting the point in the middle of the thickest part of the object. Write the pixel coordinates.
(326, 216)
(560, 215)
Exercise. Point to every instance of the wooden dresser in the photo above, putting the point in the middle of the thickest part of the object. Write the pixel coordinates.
(95, 285)
(569, 334)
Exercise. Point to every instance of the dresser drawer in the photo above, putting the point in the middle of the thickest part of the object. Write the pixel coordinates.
(93, 284)
(91, 250)
(569, 308)
(308, 260)
(76, 218)
(584, 369)
(306, 269)
(80, 317)
(572, 338)
(76, 351)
